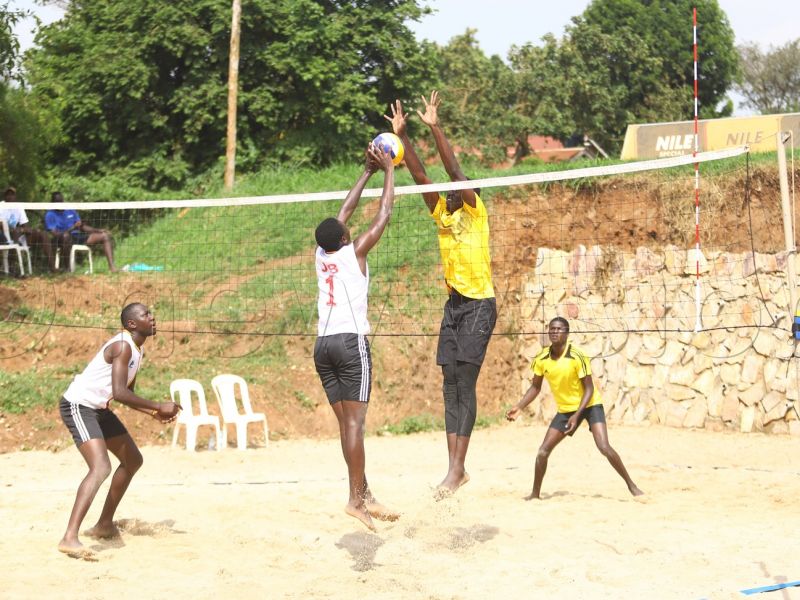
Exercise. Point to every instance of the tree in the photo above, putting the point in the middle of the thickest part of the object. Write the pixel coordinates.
(665, 28)
(770, 81)
(593, 82)
(613, 80)
(542, 92)
(479, 94)
(22, 140)
(9, 45)
(620, 62)
(140, 85)
(21, 133)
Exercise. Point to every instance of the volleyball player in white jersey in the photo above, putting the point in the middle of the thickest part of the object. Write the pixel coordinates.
(341, 353)
(111, 375)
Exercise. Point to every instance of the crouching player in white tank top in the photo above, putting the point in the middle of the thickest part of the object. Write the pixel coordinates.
(111, 375)
(341, 353)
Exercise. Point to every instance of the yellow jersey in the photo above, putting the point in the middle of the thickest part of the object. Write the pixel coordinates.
(564, 375)
(464, 245)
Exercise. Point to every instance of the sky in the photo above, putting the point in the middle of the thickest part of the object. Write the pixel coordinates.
(503, 23)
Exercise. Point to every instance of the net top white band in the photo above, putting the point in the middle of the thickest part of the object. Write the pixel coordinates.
(532, 178)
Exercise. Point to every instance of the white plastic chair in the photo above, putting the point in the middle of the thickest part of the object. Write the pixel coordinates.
(18, 248)
(75, 248)
(225, 390)
(183, 388)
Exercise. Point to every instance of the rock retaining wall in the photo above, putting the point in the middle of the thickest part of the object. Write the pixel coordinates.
(737, 373)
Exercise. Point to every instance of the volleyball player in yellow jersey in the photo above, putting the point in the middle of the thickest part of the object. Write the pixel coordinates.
(569, 374)
(470, 311)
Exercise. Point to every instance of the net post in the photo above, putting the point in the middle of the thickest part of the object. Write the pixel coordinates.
(698, 324)
(788, 226)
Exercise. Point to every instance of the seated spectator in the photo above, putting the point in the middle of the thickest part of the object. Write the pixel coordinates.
(21, 231)
(68, 229)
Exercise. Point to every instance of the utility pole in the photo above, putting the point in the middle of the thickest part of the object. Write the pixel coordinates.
(233, 89)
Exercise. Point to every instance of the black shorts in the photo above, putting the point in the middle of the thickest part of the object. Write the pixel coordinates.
(79, 237)
(86, 423)
(344, 366)
(593, 414)
(466, 329)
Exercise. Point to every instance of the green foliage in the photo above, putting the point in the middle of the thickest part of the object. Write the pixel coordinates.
(664, 27)
(9, 44)
(304, 401)
(43, 386)
(21, 131)
(770, 81)
(22, 142)
(479, 95)
(541, 100)
(612, 80)
(414, 424)
(485, 421)
(141, 86)
(620, 62)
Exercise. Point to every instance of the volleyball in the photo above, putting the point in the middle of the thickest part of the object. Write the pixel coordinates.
(391, 144)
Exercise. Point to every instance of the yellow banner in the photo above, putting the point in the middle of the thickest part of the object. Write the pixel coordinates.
(661, 140)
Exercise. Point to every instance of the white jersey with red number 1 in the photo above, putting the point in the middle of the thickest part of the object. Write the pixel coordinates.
(343, 288)
(93, 387)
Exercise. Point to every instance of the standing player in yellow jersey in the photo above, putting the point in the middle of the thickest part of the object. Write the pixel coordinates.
(470, 312)
(569, 374)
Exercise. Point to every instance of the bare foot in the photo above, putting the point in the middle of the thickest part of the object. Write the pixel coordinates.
(77, 550)
(103, 532)
(532, 496)
(636, 491)
(381, 512)
(360, 513)
(447, 488)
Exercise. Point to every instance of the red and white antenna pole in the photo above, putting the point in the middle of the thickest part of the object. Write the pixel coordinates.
(698, 309)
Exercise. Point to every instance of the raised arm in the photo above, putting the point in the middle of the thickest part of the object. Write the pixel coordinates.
(351, 200)
(414, 164)
(431, 118)
(364, 242)
(120, 354)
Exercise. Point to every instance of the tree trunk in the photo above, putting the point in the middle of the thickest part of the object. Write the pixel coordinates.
(233, 88)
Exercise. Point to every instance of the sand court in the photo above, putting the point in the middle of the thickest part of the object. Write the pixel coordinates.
(720, 514)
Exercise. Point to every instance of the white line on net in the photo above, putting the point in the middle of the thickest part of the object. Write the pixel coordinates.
(532, 178)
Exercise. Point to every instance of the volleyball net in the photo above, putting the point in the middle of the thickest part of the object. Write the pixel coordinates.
(611, 248)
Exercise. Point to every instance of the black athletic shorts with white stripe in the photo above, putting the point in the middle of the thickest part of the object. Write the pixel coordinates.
(344, 365)
(86, 423)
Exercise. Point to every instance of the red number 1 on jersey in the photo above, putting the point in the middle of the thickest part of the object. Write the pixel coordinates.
(332, 269)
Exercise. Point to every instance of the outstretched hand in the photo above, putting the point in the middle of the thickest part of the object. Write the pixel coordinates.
(371, 165)
(430, 117)
(398, 119)
(513, 413)
(381, 157)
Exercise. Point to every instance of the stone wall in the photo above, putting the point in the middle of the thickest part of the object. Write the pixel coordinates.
(738, 373)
